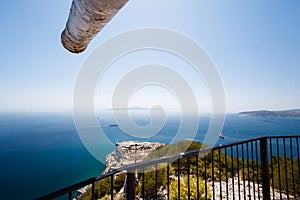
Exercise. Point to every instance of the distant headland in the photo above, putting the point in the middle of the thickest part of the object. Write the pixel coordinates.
(267, 113)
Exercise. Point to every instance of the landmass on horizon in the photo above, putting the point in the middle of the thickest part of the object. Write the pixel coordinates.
(268, 113)
(133, 108)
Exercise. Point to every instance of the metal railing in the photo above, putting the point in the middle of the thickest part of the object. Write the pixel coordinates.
(260, 168)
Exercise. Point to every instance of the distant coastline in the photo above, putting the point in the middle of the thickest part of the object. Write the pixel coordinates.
(130, 108)
(268, 113)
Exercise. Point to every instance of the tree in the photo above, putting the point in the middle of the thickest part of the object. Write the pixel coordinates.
(287, 175)
(102, 187)
(184, 188)
(150, 180)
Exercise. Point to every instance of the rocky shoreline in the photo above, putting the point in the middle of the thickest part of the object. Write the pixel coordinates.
(128, 152)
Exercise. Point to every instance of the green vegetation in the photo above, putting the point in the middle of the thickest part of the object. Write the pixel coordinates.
(184, 165)
(149, 181)
(102, 187)
(184, 189)
(280, 173)
(216, 165)
(177, 148)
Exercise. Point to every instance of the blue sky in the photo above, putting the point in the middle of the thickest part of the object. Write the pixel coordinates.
(255, 46)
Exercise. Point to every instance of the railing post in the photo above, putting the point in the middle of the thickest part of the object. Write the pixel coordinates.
(265, 168)
(130, 185)
(70, 196)
(93, 191)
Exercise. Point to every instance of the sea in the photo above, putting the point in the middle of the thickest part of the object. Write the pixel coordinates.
(43, 152)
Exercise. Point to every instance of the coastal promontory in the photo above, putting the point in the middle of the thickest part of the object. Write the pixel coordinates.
(267, 113)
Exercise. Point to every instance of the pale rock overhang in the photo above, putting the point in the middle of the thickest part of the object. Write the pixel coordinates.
(86, 19)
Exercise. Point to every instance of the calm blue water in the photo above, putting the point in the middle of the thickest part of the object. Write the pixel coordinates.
(40, 153)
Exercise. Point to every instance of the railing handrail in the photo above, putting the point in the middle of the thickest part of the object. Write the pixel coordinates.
(164, 159)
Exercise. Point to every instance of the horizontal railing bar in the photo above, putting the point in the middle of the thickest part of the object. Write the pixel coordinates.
(66, 190)
(76, 186)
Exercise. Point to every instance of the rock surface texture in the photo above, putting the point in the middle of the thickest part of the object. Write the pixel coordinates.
(86, 19)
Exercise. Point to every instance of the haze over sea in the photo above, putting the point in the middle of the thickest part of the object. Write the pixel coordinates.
(40, 153)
